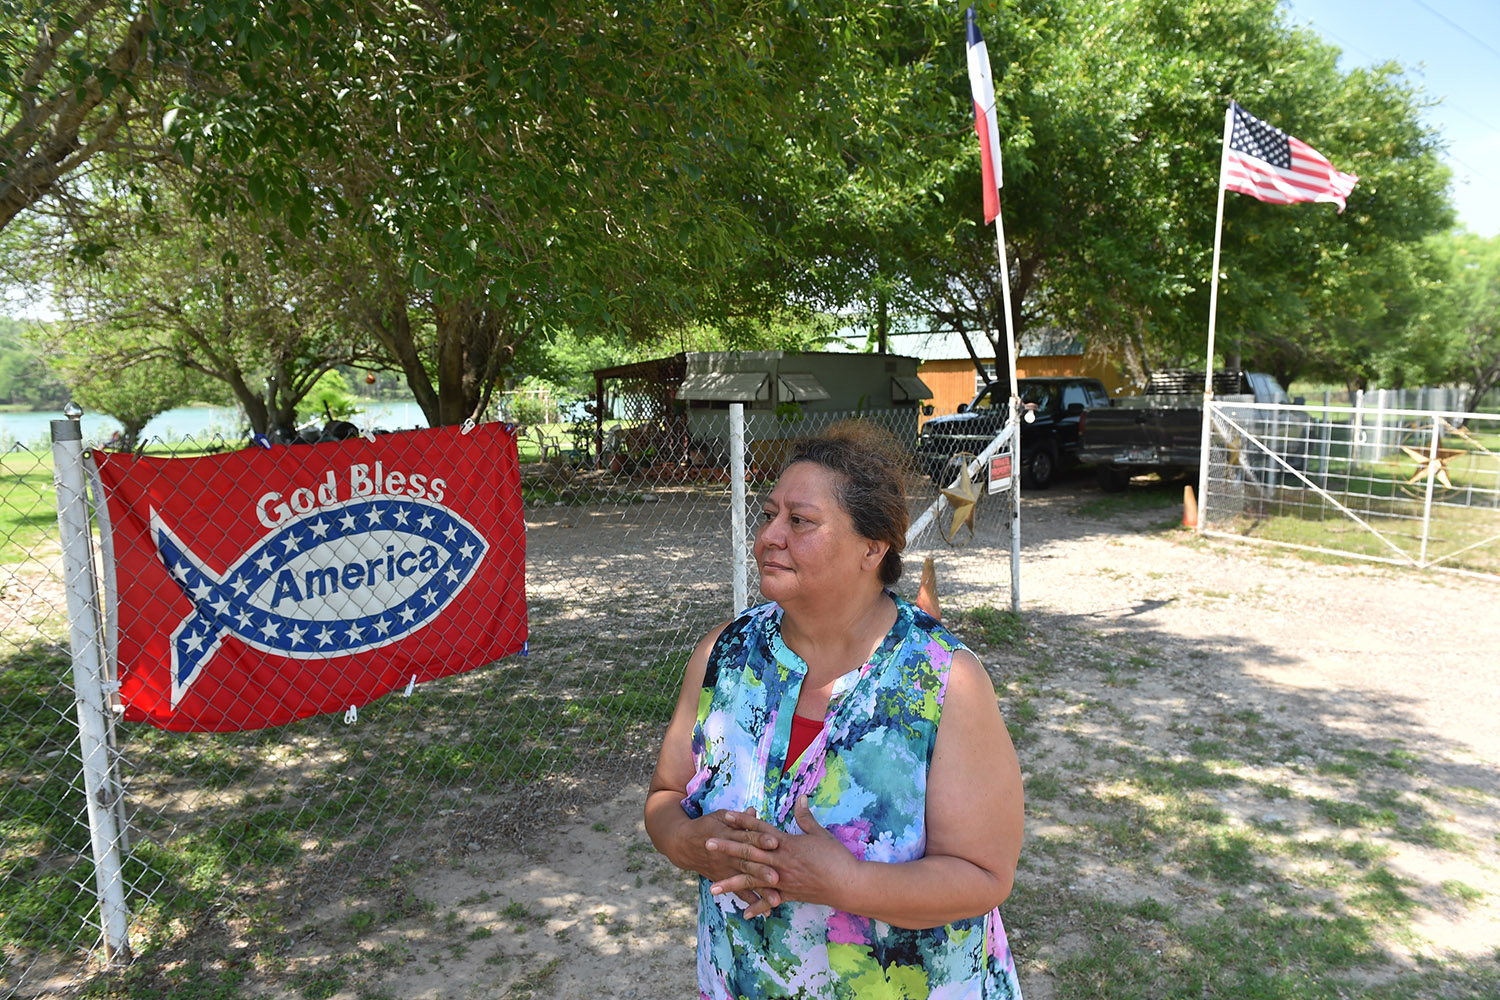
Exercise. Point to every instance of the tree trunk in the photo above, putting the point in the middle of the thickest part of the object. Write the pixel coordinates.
(453, 320)
(131, 432)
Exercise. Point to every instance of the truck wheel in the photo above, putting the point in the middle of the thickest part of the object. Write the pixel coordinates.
(1041, 469)
(1112, 479)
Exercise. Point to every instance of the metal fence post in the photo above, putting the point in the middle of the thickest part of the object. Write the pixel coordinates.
(1432, 467)
(1380, 440)
(1273, 477)
(1325, 431)
(1015, 507)
(737, 507)
(88, 688)
(1355, 445)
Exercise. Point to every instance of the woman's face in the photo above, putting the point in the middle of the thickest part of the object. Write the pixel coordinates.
(806, 546)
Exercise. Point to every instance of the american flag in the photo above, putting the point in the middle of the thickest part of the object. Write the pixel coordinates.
(1267, 164)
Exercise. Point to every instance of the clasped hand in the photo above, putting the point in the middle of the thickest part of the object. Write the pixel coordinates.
(770, 865)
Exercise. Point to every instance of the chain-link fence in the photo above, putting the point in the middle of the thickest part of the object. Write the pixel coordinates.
(627, 564)
(1415, 487)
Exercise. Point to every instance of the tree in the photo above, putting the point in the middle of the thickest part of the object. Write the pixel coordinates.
(1109, 204)
(330, 398)
(1473, 308)
(132, 394)
(170, 289)
(70, 73)
(25, 376)
(502, 171)
(459, 181)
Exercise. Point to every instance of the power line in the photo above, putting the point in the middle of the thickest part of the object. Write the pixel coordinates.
(1448, 106)
(1458, 27)
(1476, 172)
(1448, 103)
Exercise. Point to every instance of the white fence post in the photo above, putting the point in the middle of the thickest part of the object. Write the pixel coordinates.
(737, 504)
(1380, 442)
(1432, 467)
(1015, 507)
(1356, 447)
(88, 688)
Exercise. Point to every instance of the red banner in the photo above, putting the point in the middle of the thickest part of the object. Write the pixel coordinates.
(262, 586)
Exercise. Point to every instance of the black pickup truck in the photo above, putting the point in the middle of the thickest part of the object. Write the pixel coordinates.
(1049, 439)
(1161, 430)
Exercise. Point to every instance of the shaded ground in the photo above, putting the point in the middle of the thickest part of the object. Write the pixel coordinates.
(1249, 773)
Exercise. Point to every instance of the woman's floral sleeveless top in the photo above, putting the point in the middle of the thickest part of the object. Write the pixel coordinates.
(865, 776)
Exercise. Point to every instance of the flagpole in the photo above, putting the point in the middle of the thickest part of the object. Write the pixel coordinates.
(1213, 309)
(982, 89)
(1015, 419)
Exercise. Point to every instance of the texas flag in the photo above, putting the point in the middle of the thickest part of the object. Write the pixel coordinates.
(257, 587)
(983, 88)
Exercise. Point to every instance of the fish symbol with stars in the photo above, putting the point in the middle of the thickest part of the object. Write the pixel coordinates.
(338, 580)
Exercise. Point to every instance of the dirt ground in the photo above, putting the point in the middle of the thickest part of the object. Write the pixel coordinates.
(1141, 638)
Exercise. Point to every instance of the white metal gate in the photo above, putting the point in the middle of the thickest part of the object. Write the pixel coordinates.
(1410, 487)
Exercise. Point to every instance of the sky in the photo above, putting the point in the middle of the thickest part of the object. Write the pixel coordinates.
(1451, 49)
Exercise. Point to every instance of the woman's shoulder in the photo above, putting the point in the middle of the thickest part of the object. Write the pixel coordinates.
(736, 640)
(756, 615)
(925, 625)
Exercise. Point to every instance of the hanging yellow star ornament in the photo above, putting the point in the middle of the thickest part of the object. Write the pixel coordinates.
(963, 496)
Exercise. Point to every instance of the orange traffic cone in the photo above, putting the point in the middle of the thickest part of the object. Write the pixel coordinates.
(927, 598)
(1189, 508)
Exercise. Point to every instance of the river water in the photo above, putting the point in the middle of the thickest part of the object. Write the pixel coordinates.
(33, 430)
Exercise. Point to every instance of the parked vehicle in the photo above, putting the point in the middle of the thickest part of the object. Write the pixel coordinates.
(1049, 428)
(1161, 430)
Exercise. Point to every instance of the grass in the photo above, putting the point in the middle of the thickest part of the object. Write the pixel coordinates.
(1249, 860)
(269, 804)
(1150, 498)
(1458, 535)
(1254, 861)
(1232, 869)
(28, 506)
(991, 626)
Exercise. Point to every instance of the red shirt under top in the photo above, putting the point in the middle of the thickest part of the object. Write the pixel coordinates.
(804, 731)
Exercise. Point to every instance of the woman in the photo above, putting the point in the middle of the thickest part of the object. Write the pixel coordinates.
(836, 770)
